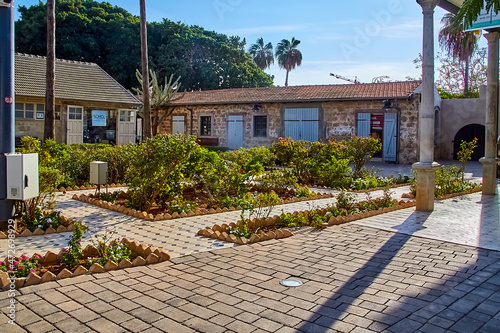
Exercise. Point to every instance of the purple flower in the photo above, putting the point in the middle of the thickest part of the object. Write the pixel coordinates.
(79, 239)
(65, 250)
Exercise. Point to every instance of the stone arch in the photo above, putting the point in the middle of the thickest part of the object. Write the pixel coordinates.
(468, 133)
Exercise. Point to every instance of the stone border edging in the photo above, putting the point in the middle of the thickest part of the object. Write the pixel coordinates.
(152, 255)
(88, 187)
(355, 191)
(221, 232)
(197, 212)
(69, 226)
(453, 195)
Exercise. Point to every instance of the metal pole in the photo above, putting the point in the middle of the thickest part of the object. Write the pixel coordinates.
(7, 126)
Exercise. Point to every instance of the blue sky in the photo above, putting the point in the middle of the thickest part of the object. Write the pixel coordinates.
(363, 38)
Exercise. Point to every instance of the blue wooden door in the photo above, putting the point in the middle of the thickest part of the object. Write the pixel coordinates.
(390, 137)
(302, 124)
(235, 132)
(364, 124)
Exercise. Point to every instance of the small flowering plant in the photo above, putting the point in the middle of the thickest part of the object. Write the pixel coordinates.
(20, 266)
(74, 252)
(107, 249)
(177, 204)
(42, 220)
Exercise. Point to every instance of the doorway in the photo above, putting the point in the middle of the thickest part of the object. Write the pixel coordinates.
(468, 133)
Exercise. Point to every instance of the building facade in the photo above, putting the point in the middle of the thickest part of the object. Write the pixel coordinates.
(91, 107)
(235, 118)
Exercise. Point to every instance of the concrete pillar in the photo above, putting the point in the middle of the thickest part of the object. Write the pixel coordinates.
(489, 161)
(426, 167)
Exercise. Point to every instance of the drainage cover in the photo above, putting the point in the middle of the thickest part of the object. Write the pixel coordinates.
(291, 282)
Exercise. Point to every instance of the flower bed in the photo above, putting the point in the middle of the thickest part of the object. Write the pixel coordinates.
(66, 224)
(345, 210)
(89, 187)
(50, 267)
(159, 216)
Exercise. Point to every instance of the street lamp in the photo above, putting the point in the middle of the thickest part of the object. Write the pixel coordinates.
(7, 137)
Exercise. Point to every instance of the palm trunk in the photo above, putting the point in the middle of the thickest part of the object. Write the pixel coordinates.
(466, 83)
(286, 80)
(145, 73)
(49, 130)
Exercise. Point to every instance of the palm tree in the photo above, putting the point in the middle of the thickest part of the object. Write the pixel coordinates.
(262, 54)
(288, 55)
(471, 9)
(459, 44)
(49, 131)
(146, 101)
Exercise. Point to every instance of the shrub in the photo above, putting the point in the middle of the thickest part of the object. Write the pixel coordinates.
(251, 161)
(279, 181)
(42, 220)
(107, 249)
(359, 150)
(156, 173)
(74, 252)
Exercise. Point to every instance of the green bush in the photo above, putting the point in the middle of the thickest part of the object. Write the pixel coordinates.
(251, 161)
(42, 220)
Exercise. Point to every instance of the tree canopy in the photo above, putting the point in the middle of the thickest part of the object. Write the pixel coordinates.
(109, 36)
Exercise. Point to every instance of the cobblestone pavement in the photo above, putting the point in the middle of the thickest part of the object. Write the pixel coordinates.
(356, 279)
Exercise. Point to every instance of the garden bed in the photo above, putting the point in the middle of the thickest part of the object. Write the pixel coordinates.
(21, 230)
(49, 267)
(202, 208)
(88, 187)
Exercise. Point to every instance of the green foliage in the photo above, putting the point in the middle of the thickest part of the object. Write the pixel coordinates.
(19, 266)
(109, 36)
(110, 197)
(42, 220)
(360, 150)
(74, 252)
(309, 217)
(303, 192)
(450, 180)
(345, 200)
(280, 181)
(177, 204)
(465, 153)
(107, 249)
(251, 161)
(157, 169)
(244, 201)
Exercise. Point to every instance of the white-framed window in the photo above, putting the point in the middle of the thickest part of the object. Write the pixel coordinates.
(25, 110)
(40, 111)
(206, 125)
(127, 115)
(260, 126)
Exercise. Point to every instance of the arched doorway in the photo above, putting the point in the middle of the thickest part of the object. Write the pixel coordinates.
(468, 133)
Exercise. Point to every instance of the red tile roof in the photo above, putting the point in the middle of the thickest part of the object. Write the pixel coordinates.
(386, 90)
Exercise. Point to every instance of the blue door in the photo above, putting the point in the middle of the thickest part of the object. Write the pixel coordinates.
(390, 137)
(235, 132)
(364, 124)
(302, 124)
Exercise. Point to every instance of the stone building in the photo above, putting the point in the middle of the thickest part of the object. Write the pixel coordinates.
(253, 117)
(90, 105)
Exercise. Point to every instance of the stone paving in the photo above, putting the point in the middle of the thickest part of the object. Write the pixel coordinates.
(398, 272)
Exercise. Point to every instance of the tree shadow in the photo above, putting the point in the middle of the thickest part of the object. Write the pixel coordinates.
(467, 301)
(335, 308)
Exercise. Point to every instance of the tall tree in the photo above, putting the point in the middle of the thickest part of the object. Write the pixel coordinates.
(146, 102)
(288, 55)
(262, 54)
(459, 44)
(50, 75)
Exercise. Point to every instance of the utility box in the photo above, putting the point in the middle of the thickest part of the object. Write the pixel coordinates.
(98, 173)
(22, 176)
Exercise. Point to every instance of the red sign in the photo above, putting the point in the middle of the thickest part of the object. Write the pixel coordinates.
(9, 100)
(378, 120)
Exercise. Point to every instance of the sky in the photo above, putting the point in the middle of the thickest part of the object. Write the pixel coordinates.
(361, 39)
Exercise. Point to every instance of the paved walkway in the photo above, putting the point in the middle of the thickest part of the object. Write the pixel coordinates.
(397, 272)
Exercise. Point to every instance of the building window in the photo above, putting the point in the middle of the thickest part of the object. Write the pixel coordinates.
(260, 126)
(25, 110)
(57, 112)
(205, 126)
(40, 111)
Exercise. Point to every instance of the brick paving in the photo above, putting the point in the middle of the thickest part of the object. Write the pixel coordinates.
(397, 272)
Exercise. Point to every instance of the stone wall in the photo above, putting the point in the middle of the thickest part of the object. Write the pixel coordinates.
(339, 121)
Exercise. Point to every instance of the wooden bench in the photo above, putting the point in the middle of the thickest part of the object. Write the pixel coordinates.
(213, 142)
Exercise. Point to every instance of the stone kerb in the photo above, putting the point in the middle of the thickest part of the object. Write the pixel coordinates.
(146, 255)
(197, 212)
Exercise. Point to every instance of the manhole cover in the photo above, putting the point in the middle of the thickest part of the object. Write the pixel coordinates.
(291, 283)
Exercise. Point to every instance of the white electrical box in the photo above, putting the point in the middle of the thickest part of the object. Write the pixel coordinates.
(22, 176)
(98, 173)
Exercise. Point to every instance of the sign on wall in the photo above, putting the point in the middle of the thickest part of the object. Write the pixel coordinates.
(485, 20)
(99, 117)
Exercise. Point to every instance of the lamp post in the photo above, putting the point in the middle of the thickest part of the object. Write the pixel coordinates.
(6, 102)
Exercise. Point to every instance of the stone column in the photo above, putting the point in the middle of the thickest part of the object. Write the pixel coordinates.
(489, 161)
(426, 167)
